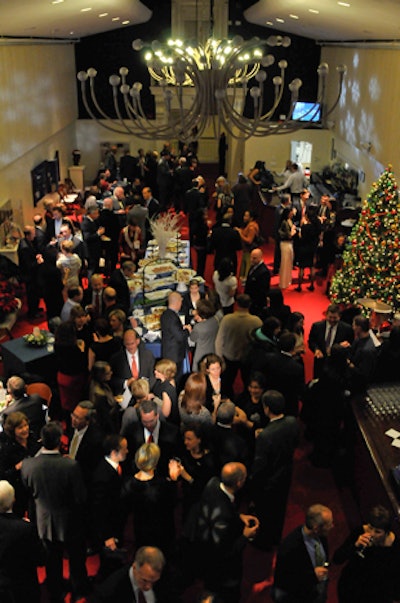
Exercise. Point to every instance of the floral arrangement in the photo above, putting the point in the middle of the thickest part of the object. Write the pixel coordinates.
(37, 339)
(8, 299)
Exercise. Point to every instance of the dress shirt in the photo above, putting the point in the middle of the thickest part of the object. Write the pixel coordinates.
(310, 542)
(333, 333)
(127, 396)
(155, 433)
(79, 435)
(229, 494)
(113, 464)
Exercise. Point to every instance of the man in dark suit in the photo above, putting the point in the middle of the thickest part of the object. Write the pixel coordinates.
(86, 439)
(119, 281)
(222, 532)
(226, 242)
(92, 233)
(271, 473)
(151, 204)
(34, 407)
(93, 296)
(257, 282)
(105, 500)
(66, 234)
(228, 446)
(111, 222)
(29, 261)
(56, 485)
(300, 573)
(130, 363)
(285, 374)
(128, 166)
(324, 333)
(174, 335)
(19, 550)
(128, 584)
(148, 429)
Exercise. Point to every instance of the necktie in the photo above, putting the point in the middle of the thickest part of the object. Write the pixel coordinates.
(119, 470)
(319, 554)
(74, 445)
(141, 597)
(328, 338)
(150, 439)
(134, 368)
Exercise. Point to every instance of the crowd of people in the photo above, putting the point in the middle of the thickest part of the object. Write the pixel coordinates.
(170, 441)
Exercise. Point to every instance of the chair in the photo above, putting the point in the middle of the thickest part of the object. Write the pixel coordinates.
(42, 389)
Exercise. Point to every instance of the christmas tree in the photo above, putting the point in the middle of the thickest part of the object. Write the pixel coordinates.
(371, 261)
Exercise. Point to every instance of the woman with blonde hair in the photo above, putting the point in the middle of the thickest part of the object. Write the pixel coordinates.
(70, 264)
(149, 496)
(165, 388)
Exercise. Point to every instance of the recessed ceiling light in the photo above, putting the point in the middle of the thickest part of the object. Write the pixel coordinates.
(346, 4)
(103, 15)
(115, 19)
(57, 1)
(71, 33)
(279, 20)
(268, 23)
(313, 11)
(85, 10)
(294, 16)
(125, 22)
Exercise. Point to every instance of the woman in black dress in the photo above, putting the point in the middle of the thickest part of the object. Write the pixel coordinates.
(104, 345)
(306, 247)
(16, 444)
(151, 498)
(108, 410)
(165, 389)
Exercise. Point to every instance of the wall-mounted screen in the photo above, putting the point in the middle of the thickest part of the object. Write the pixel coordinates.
(307, 112)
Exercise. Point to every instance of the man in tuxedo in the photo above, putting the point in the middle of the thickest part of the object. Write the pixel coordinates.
(300, 573)
(324, 333)
(285, 374)
(92, 233)
(228, 446)
(130, 363)
(222, 532)
(174, 335)
(34, 407)
(110, 220)
(271, 473)
(19, 551)
(105, 500)
(86, 439)
(129, 584)
(257, 282)
(148, 429)
(56, 485)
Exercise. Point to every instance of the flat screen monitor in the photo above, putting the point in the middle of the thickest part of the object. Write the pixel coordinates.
(307, 111)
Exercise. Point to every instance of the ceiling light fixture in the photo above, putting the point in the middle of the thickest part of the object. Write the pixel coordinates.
(202, 88)
(313, 11)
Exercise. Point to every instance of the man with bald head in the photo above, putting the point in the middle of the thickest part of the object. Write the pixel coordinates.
(223, 532)
(174, 335)
(258, 281)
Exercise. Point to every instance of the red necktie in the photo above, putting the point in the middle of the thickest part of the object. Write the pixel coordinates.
(141, 597)
(134, 368)
(150, 439)
(119, 470)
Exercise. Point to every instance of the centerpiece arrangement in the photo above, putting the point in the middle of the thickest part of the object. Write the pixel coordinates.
(36, 339)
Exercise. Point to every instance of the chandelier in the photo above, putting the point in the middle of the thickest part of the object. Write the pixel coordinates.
(203, 88)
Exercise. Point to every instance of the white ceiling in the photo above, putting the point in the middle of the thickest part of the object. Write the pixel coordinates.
(362, 20)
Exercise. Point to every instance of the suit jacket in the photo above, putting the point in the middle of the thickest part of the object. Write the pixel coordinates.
(128, 167)
(257, 286)
(34, 407)
(226, 242)
(174, 337)
(273, 458)
(27, 261)
(92, 241)
(105, 502)
(168, 441)
(122, 370)
(316, 339)
(19, 552)
(286, 375)
(118, 587)
(120, 284)
(90, 451)
(294, 571)
(56, 485)
(228, 446)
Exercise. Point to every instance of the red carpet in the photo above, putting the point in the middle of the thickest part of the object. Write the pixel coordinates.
(310, 485)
